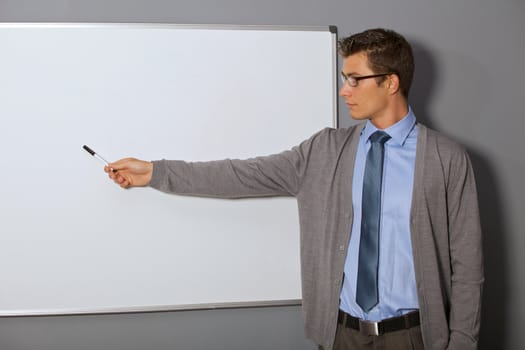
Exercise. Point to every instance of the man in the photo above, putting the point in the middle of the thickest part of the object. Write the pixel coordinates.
(391, 241)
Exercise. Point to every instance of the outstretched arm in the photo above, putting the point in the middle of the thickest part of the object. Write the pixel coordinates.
(274, 175)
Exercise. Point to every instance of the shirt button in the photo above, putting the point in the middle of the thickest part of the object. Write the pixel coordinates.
(341, 247)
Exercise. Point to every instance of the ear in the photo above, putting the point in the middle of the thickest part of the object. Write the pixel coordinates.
(392, 84)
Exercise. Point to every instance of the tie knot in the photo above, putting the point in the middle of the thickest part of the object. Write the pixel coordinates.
(379, 137)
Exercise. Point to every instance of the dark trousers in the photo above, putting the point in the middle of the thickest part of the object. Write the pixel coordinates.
(350, 339)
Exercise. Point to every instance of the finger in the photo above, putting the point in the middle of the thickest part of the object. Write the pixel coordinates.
(108, 169)
(124, 184)
(120, 164)
(111, 174)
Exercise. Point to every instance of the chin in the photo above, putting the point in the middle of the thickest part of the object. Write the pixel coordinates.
(357, 116)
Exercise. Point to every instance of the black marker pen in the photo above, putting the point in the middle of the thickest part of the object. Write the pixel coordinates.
(94, 154)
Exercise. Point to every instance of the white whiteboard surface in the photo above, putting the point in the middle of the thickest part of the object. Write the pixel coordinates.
(73, 242)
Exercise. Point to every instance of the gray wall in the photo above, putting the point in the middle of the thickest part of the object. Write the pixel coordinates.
(468, 84)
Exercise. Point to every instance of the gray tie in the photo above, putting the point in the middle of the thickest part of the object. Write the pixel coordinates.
(367, 291)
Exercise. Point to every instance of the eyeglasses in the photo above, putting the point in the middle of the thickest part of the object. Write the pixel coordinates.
(354, 81)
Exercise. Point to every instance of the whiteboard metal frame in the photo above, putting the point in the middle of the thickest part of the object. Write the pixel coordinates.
(152, 309)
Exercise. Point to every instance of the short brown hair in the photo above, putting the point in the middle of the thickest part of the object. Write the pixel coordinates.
(387, 51)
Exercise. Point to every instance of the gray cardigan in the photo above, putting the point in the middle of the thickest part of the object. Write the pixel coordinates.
(445, 228)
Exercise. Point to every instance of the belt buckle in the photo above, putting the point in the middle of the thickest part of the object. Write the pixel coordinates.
(368, 328)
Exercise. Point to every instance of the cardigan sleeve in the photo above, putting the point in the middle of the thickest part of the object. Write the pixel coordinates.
(466, 256)
(274, 175)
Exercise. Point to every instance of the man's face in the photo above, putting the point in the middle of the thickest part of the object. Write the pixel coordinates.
(367, 100)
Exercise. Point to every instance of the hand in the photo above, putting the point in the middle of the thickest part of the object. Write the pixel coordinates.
(130, 172)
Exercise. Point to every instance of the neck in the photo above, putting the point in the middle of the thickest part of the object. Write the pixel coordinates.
(396, 111)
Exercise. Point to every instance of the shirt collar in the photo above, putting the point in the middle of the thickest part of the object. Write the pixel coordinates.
(398, 132)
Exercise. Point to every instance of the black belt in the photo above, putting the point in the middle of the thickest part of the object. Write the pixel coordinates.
(377, 328)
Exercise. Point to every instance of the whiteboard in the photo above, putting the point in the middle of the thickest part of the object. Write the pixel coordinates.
(73, 242)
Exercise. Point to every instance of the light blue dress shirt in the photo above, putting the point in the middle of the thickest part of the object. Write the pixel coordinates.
(397, 283)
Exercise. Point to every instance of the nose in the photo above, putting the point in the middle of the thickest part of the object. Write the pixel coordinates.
(345, 90)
